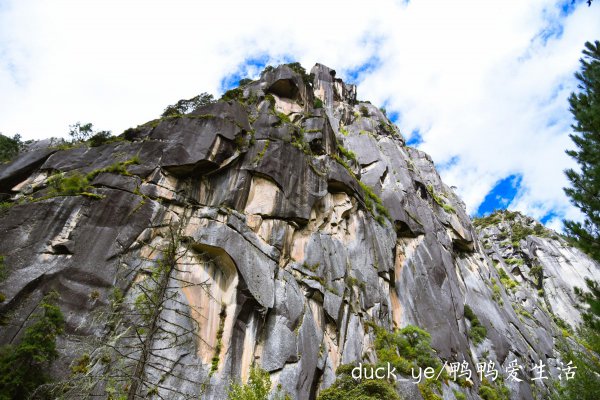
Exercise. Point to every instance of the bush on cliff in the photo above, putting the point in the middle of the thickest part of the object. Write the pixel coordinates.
(347, 388)
(24, 367)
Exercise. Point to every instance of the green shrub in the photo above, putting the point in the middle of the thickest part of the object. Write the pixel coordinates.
(477, 332)
(492, 219)
(514, 261)
(298, 68)
(189, 105)
(506, 280)
(520, 232)
(318, 103)
(440, 200)
(364, 111)
(100, 138)
(284, 118)
(427, 390)
(219, 346)
(347, 388)
(233, 94)
(496, 294)
(24, 367)
(9, 147)
(349, 154)
(405, 349)
(71, 185)
(371, 198)
(459, 395)
(257, 388)
(261, 154)
(493, 391)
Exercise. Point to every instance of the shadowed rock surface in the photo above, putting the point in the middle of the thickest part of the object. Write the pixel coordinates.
(292, 228)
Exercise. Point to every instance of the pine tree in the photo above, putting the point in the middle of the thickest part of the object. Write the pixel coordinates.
(585, 190)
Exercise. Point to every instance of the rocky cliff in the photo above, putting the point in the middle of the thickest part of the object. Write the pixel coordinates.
(281, 227)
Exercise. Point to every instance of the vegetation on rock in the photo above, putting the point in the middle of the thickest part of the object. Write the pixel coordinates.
(477, 332)
(186, 106)
(585, 185)
(257, 388)
(24, 367)
(347, 388)
(10, 147)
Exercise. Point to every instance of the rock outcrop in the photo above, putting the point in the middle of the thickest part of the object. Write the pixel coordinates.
(272, 229)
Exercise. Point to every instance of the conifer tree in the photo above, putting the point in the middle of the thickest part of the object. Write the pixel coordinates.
(585, 190)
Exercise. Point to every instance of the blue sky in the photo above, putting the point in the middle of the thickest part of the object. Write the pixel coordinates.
(481, 86)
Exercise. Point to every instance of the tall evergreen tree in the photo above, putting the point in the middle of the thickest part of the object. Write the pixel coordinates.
(585, 190)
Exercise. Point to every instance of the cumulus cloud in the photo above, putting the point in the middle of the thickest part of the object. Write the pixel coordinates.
(483, 82)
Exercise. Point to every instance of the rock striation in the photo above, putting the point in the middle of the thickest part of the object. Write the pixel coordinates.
(272, 228)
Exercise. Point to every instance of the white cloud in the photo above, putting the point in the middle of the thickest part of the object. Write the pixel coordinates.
(475, 78)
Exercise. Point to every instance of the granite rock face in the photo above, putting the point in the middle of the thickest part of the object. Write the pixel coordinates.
(271, 230)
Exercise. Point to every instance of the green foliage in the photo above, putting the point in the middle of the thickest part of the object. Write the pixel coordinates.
(405, 349)
(318, 103)
(537, 273)
(519, 232)
(372, 199)
(257, 388)
(71, 185)
(24, 367)
(364, 111)
(81, 365)
(459, 395)
(495, 390)
(300, 143)
(260, 155)
(492, 219)
(100, 138)
(9, 147)
(233, 94)
(271, 99)
(186, 106)
(85, 132)
(586, 383)
(298, 68)
(5, 206)
(284, 118)
(591, 309)
(496, 294)
(585, 190)
(79, 132)
(478, 332)
(521, 311)
(514, 261)
(3, 270)
(349, 154)
(440, 200)
(78, 184)
(311, 267)
(216, 357)
(245, 81)
(347, 388)
(506, 280)
(427, 390)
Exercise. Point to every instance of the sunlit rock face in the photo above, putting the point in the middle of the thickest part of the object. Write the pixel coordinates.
(272, 231)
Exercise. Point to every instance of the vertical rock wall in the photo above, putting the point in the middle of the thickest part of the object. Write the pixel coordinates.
(297, 226)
